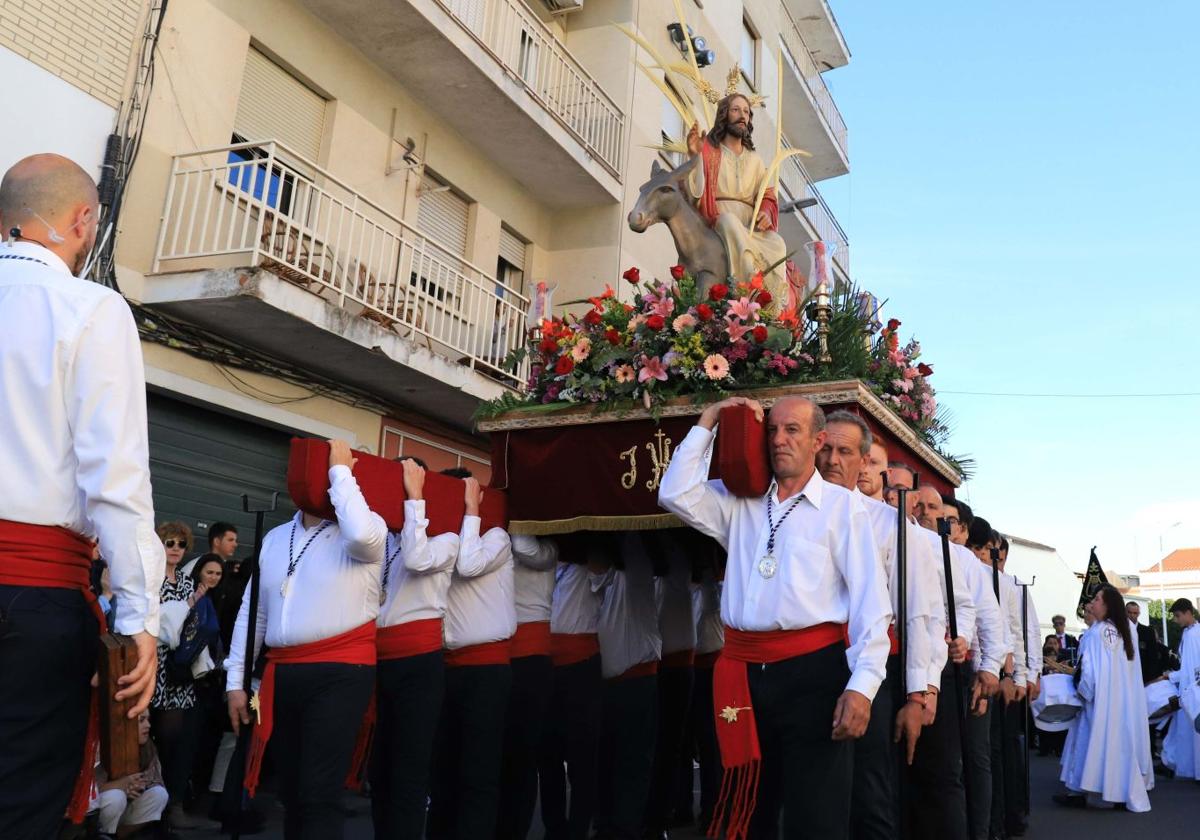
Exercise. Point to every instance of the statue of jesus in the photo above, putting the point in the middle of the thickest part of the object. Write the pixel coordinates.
(726, 186)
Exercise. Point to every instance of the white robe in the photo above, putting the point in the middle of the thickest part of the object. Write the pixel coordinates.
(1181, 746)
(1108, 748)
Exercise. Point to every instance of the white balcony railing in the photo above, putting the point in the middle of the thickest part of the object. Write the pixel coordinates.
(262, 202)
(794, 43)
(797, 184)
(529, 52)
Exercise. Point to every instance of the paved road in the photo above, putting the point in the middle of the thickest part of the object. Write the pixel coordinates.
(1175, 804)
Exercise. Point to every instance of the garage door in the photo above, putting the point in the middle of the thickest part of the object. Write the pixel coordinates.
(201, 462)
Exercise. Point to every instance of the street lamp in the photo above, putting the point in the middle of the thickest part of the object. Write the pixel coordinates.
(1161, 589)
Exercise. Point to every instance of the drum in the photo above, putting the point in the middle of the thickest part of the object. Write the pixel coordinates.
(1158, 699)
(1057, 704)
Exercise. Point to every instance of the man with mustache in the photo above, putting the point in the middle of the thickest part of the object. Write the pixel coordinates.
(726, 185)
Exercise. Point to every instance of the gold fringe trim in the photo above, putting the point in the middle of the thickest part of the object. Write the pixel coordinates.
(546, 527)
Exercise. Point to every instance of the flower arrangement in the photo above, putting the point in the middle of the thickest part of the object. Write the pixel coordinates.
(902, 383)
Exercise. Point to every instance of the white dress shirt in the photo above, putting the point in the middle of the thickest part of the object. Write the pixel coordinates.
(418, 570)
(533, 576)
(964, 604)
(710, 630)
(1033, 658)
(1010, 605)
(676, 616)
(628, 625)
(480, 606)
(828, 568)
(334, 586)
(575, 608)
(922, 581)
(73, 438)
(991, 643)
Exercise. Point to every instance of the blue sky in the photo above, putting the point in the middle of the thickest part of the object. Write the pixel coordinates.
(1024, 192)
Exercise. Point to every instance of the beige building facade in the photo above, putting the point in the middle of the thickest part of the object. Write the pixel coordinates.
(341, 214)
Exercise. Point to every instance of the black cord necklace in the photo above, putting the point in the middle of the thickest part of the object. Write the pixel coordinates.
(387, 571)
(294, 559)
(768, 565)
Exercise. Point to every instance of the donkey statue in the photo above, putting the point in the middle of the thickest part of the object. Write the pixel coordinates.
(664, 199)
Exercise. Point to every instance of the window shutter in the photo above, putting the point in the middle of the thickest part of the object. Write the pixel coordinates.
(442, 216)
(275, 105)
(512, 249)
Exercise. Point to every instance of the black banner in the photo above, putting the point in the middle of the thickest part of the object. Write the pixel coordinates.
(1093, 579)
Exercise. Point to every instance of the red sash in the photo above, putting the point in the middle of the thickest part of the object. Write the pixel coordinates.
(532, 639)
(642, 669)
(737, 732)
(354, 647)
(573, 648)
(487, 653)
(679, 659)
(412, 638)
(895, 647)
(46, 555)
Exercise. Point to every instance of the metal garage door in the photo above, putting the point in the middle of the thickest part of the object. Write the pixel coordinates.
(201, 462)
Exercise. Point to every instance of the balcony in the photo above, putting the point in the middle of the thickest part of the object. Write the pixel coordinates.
(495, 72)
(810, 223)
(810, 116)
(268, 250)
(819, 27)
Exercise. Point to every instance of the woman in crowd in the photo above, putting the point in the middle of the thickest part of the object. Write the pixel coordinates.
(135, 801)
(210, 715)
(171, 709)
(1108, 745)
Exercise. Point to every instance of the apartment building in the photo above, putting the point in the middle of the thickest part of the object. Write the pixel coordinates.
(340, 212)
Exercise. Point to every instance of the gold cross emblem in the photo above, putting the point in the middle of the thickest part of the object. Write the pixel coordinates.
(257, 708)
(730, 713)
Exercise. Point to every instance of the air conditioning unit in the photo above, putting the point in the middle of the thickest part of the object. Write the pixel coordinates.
(561, 7)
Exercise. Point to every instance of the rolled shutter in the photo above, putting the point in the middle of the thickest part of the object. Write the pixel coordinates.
(512, 249)
(275, 105)
(442, 216)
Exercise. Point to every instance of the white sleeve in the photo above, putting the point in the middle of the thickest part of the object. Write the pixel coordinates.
(107, 410)
(235, 663)
(1033, 639)
(480, 555)
(859, 563)
(685, 491)
(364, 533)
(534, 553)
(421, 554)
(989, 622)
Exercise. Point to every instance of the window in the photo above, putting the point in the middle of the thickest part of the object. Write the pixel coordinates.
(510, 265)
(527, 58)
(673, 131)
(275, 188)
(749, 59)
(275, 105)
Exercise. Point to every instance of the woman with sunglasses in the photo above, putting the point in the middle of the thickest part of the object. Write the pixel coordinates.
(172, 707)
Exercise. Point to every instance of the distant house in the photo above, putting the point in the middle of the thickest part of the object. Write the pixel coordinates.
(1179, 577)
(1055, 589)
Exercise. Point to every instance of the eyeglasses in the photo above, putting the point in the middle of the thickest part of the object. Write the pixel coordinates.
(174, 543)
(952, 520)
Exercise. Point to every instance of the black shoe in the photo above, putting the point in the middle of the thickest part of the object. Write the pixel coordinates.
(1070, 800)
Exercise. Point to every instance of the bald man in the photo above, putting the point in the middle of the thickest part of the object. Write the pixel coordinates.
(74, 446)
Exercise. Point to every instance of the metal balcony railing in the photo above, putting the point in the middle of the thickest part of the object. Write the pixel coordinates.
(528, 51)
(798, 185)
(293, 218)
(794, 43)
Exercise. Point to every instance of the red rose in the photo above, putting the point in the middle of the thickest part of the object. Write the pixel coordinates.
(718, 292)
(704, 312)
(612, 336)
(633, 276)
(592, 318)
(924, 369)
(893, 324)
(564, 365)
(656, 322)
(677, 271)
(548, 345)
(764, 298)
(760, 333)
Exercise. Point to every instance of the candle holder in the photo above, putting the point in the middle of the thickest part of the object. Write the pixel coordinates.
(820, 309)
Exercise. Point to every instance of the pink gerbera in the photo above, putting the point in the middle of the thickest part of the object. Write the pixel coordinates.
(716, 366)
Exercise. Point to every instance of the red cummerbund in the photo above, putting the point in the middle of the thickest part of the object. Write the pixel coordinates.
(487, 653)
(412, 638)
(532, 639)
(43, 555)
(679, 659)
(642, 669)
(777, 645)
(895, 646)
(573, 648)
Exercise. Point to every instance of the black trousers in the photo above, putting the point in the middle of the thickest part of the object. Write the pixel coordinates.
(674, 701)
(978, 776)
(47, 657)
(874, 802)
(467, 755)
(938, 804)
(699, 745)
(319, 708)
(569, 750)
(1008, 766)
(174, 732)
(408, 695)
(806, 775)
(626, 756)
(532, 678)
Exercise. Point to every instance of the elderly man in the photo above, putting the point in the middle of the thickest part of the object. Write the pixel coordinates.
(76, 471)
(802, 569)
(841, 461)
